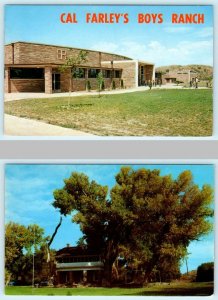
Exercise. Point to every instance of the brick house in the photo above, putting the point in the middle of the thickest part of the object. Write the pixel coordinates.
(33, 67)
(78, 265)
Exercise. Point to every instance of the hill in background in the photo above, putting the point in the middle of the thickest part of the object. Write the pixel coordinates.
(203, 72)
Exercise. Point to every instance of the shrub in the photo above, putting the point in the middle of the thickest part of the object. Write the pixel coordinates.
(121, 84)
(205, 272)
(88, 86)
(113, 85)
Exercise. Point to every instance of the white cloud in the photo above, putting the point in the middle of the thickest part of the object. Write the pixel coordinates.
(105, 47)
(183, 52)
(205, 32)
(177, 29)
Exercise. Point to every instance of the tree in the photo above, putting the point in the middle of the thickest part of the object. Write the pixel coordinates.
(166, 214)
(72, 63)
(94, 210)
(19, 243)
(100, 82)
(155, 217)
(113, 85)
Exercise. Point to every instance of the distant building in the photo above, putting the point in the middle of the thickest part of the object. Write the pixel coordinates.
(182, 76)
(78, 265)
(34, 67)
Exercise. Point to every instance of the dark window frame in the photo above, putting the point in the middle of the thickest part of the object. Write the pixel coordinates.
(93, 72)
(81, 73)
(117, 74)
(27, 73)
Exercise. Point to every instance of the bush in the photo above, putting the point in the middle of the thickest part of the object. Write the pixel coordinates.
(121, 84)
(88, 86)
(113, 85)
(205, 272)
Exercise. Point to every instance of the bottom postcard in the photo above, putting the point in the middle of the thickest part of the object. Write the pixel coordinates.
(109, 229)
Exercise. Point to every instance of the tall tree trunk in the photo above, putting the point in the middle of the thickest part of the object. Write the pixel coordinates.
(107, 274)
(49, 244)
(110, 257)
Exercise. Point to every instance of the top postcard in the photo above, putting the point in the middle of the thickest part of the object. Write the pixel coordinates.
(106, 70)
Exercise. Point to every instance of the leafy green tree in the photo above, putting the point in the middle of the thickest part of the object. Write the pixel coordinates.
(19, 243)
(155, 217)
(93, 211)
(166, 214)
(72, 63)
(100, 82)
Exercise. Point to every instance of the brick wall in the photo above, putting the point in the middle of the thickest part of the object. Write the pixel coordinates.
(180, 76)
(8, 54)
(128, 72)
(27, 85)
(79, 84)
(148, 72)
(27, 53)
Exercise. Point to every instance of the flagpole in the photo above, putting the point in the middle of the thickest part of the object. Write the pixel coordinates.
(33, 278)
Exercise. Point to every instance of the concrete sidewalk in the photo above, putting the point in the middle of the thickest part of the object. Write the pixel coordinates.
(25, 127)
(19, 96)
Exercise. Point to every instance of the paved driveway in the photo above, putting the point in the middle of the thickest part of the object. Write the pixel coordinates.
(25, 127)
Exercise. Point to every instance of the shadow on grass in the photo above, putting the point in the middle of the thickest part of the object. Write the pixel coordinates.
(194, 291)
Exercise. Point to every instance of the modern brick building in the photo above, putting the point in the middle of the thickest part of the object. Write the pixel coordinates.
(31, 67)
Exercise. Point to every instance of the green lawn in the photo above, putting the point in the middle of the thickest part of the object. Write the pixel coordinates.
(186, 112)
(179, 289)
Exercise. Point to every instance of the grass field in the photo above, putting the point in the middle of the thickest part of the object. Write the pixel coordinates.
(175, 289)
(149, 113)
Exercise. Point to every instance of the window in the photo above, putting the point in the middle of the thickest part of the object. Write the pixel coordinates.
(142, 70)
(61, 54)
(117, 74)
(107, 73)
(27, 73)
(93, 73)
(79, 73)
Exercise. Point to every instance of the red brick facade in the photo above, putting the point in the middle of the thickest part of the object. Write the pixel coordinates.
(22, 55)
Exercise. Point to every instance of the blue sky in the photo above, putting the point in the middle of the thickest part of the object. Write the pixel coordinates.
(29, 194)
(163, 44)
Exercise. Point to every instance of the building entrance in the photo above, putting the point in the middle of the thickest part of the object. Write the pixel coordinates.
(56, 82)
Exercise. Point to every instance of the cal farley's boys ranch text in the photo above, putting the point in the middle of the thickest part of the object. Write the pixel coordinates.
(146, 18)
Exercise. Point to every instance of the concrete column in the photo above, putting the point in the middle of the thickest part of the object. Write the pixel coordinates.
(48, 80)
(7, 80)
(153, 75)
(84, 276)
